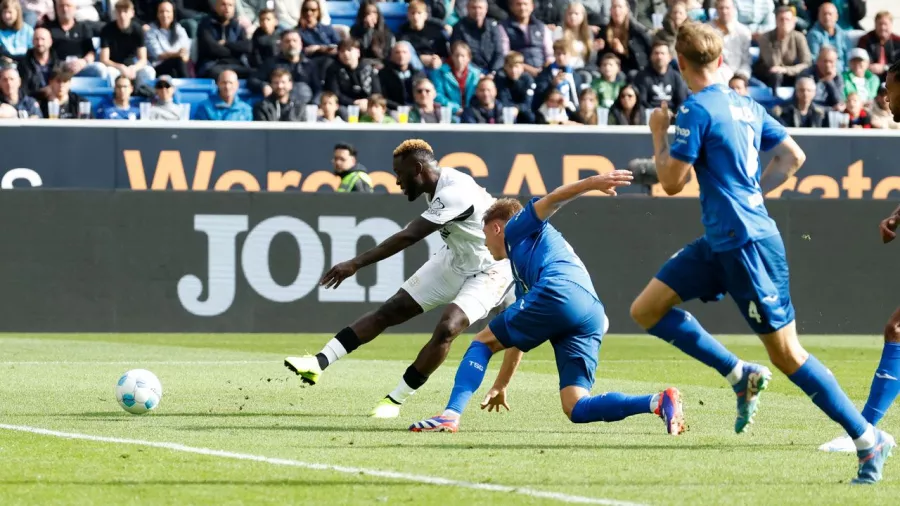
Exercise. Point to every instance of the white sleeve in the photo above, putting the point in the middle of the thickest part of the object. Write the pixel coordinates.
(449, 204)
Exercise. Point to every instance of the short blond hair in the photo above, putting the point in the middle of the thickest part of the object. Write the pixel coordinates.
(884, 14)
(699, 44)
(502, 209)
(413, 146)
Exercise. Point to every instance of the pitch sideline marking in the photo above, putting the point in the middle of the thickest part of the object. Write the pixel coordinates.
(416, 478)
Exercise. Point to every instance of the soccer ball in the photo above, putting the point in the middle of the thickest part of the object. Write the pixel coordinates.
(138, 391)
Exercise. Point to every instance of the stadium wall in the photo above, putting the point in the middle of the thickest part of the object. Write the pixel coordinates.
(114, 261)
(524, 160)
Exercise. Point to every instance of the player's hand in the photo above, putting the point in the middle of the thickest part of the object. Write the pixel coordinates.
(495, 398)
(609, 181)
(887, 228)
(660, 119)
(337, 274)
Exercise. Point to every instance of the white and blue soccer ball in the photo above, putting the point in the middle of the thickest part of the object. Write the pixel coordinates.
(138, 391)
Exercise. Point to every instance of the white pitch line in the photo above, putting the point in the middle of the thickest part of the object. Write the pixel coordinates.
(416, 478)
(137, 362)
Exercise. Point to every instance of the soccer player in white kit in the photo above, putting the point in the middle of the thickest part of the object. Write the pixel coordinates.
(463, 276)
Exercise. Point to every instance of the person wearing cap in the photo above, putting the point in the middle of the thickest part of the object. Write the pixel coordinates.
(165, 108)
(859, 79)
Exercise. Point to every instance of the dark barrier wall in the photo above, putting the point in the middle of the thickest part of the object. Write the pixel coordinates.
(241, 262)
(520, 161)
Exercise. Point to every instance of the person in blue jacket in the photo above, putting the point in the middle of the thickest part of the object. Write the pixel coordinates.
(225, 106)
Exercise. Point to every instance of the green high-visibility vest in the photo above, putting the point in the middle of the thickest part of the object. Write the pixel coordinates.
(348, 182)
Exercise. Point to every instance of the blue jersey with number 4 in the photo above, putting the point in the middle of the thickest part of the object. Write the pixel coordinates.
(538, 253)
(721, 134)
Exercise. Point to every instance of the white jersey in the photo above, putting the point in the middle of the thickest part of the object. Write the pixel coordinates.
(459, 204)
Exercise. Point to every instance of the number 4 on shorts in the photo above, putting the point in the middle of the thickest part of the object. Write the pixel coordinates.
(752, 312)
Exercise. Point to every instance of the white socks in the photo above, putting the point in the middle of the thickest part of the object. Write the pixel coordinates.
(402, 392)
(654, 403)
(333, 351)
(867, 440)
(736, 374)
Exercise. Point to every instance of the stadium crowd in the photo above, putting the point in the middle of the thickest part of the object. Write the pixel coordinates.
(471, 61)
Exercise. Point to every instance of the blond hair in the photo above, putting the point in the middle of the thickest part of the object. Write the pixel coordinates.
(502, 209)
(699, 44)
(413, 146)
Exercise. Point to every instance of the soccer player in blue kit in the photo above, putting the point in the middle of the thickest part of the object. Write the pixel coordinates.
(720, 134)
(556, 302)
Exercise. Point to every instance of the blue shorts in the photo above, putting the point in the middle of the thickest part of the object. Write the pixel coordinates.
(755, 275)
(565, 314)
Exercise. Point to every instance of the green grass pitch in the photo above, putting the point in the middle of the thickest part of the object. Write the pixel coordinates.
(231, 393)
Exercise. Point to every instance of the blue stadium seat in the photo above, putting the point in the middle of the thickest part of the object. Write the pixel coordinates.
(764, 96)
(394, 14)
(343, 13)
(86, 84)
(194, 84)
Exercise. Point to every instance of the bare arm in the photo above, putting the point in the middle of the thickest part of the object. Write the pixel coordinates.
(672, 173)
(607, 183)
(788, 159)
(496, 396)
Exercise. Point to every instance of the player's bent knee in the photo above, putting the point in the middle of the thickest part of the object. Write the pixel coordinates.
(569, 397)
(892, 329)
(486, 337)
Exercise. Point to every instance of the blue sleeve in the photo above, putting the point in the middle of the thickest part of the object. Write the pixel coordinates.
(523, 224)
(773, 132)
(691, 125)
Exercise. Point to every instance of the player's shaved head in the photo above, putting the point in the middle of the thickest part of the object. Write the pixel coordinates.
(414, 166)
(700, 45)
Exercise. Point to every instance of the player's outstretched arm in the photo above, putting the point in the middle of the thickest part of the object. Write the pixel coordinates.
(417, 230)
(787, 160)
(496, 396)
(607, 183)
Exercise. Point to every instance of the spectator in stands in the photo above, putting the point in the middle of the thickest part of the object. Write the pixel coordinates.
(803, 112)
(859, 79)
(123, 48)
(289, 11)
(596, 12)
(587, 108)
(265, 40)
(375, 38)
(576, 31)
(329, 108)
(757, 15)
(523, 33)
(13, 100)
(850, 12)
(882, 44)
(60, 91)
(457, 80)
(35, 11)
(627, 110)
(881, 114)
(674, 18)
(783, 52)
(610, 81)
(354, 177)
(424, 110)
(377, 112)
(437, 10)
(280, 104)
(72, 42)
(119, 106)
(560, 76)
(826, 32)
(829, 84)
(398, 78)
(548, 12)
(553, 111)
(798, 8)
(222, 43)
(625, 38)
(225, 105)
(740, 85)
(353, 82)
(426, 35)
(168, 44)
(736, 49)
(319, 40)
(482, 35)
(15, 35)
(304, 73)
(515, 87)
(484, 108)
(659, 82)
(859, 118)
(37, 63)
(165, 108)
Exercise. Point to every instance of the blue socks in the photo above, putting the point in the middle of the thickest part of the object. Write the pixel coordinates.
(821, 386)
(469, 375)
(610, 407)
(885, 384)
(681, 329)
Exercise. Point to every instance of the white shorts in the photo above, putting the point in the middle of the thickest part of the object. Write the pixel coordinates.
(437, 284)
